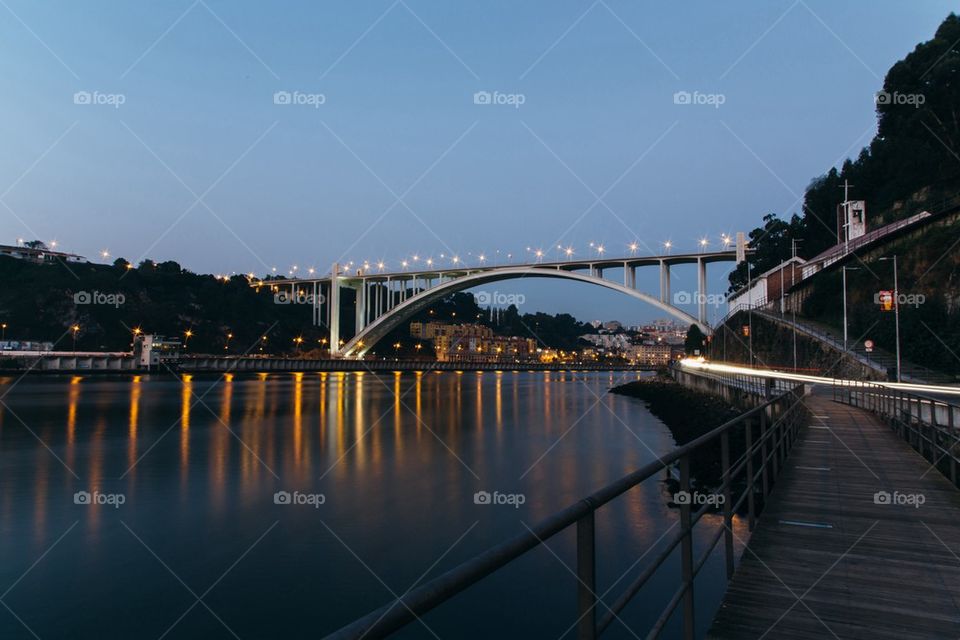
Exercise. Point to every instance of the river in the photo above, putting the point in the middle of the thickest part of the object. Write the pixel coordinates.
(287, 505)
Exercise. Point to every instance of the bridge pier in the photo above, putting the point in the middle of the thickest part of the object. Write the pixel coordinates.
(701, 291)
(361, 307)
(333, 308)
(664, 282)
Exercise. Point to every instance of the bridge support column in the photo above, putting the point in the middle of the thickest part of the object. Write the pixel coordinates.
(664, 282)
(701, 291)
(333, 307)
(361, 315)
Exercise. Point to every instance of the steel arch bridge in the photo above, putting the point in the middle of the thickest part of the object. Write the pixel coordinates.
(385, 300)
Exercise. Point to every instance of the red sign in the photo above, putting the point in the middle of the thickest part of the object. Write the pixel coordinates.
(868, 345)
(886, 300)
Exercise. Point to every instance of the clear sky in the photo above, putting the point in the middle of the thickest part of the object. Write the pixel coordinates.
(156, 130)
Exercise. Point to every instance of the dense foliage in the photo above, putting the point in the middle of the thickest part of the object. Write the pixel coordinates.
(911, 165)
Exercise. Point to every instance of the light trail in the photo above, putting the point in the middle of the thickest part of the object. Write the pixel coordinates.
(703, 365)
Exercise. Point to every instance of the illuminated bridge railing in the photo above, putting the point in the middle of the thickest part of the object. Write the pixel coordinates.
(928, 424)
(764, 434)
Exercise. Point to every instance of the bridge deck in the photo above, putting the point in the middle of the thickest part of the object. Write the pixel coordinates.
(826, 561)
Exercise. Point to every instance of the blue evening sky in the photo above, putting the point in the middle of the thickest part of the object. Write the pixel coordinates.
(200, 164)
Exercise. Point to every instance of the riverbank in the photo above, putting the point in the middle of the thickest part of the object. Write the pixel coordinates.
(688, 415)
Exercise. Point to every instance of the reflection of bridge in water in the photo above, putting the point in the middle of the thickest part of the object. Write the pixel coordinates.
(385, 300)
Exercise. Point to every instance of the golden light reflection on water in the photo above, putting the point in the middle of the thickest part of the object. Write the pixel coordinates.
(135, 392)
(298, 418)
(498, 422)
(186, 394)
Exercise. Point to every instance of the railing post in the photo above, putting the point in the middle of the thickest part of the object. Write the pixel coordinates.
(586, 578)
(727, 502)
(749, 441)
(763, 455)
(953, 440)
(686, 551)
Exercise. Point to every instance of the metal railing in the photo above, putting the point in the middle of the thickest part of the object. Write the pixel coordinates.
(768, 432)
(928, 424)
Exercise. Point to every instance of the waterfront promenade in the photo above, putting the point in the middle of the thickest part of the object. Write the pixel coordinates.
(833, 556)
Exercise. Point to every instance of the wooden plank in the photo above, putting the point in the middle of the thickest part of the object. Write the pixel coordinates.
(878, 571)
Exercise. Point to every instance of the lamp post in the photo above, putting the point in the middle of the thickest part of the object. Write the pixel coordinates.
(896, 309)
(845, 269)
(793, 305)
(4, 327)
(74, 330)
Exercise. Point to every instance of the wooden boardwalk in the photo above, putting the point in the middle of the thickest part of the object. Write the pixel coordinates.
(827, 561)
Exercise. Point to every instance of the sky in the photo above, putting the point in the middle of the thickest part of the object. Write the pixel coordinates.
(241, 137)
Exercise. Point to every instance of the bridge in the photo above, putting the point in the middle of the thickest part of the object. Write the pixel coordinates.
(385, 300)
(848, 491)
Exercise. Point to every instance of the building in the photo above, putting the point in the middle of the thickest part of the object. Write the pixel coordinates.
(770, 286)
(654, 353)
(150, 351)
(40, 255)
(473, 343)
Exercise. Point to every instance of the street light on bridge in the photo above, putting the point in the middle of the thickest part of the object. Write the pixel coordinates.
(667, 246)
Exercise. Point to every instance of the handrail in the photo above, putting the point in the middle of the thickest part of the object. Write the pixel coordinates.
(928, 424)
(778, 417)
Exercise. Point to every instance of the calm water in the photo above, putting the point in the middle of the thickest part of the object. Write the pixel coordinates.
(199, 548)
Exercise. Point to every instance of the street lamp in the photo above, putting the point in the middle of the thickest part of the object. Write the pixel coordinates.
(4, 327)
(896, 309)
(298, 340)
(75, 329)
(187, 335)
(226, 347)
(845, 269)
(668, 245)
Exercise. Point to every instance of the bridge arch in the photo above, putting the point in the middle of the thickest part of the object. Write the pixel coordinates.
(361, 343)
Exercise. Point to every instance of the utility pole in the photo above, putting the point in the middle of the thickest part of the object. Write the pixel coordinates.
(845, 269)
(793, 306)
(896, 310)
(845, 227)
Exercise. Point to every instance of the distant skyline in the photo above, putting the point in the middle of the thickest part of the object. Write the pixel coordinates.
(239, 137)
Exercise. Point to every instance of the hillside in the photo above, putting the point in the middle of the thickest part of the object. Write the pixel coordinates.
(911, 165)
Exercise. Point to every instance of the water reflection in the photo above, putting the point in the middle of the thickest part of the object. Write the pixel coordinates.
(398, 456)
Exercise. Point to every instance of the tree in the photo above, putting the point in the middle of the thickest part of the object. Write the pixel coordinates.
(771, 244)
(693, 345)
(35, 244)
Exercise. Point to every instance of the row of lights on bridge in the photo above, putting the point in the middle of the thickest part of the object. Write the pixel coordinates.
(538, 255)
